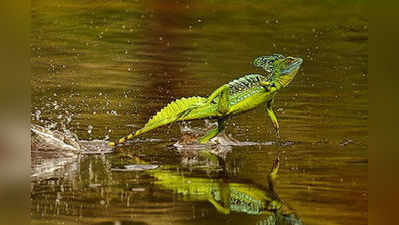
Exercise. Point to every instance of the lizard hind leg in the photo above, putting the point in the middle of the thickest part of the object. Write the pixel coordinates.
(212, 133)
(223, 108)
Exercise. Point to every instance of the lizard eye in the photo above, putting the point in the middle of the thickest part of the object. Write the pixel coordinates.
(291, 60)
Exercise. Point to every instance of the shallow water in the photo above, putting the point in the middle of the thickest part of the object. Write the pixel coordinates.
(101, 68)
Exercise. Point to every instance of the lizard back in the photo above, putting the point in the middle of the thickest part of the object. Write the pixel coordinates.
(245, 83)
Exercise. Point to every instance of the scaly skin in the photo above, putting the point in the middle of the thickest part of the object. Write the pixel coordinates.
(236, 97)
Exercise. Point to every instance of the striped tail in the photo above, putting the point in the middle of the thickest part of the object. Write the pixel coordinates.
(172, 112)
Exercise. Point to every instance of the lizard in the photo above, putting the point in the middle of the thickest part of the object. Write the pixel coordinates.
(235, 97)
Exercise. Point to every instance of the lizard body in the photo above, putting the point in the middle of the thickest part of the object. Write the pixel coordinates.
(233, 98)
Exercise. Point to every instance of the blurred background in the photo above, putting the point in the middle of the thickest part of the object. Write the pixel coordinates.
(101, 68)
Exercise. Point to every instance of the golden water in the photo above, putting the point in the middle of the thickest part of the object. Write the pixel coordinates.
(102, 68)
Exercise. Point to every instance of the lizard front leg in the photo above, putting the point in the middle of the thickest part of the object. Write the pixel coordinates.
(271, 177)
(272, 116)
(275, 204)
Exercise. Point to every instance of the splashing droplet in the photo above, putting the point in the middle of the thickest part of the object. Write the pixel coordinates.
(37, 114)
(89, 129)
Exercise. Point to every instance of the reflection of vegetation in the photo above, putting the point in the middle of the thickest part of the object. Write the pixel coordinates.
(225, 195)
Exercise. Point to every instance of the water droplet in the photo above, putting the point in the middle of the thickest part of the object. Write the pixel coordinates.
(89, 129)
(37, 114)
(69, 119)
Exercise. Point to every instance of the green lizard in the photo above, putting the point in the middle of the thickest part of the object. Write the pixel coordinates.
(237, 96)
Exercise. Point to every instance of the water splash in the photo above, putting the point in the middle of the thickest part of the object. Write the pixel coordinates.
(191, 134)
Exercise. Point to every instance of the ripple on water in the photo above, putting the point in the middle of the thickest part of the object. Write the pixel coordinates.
(121, 222)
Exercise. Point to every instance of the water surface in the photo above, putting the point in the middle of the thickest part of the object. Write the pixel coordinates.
(101, 68)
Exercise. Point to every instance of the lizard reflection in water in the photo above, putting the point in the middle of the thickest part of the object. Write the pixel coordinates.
(225, 195)
(229, 196)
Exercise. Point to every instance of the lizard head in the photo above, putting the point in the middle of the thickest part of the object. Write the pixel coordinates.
(282, 69)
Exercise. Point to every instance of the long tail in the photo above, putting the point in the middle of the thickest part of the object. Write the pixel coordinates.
(170, 113)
